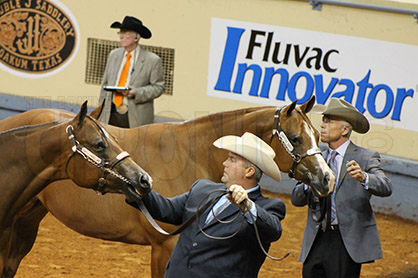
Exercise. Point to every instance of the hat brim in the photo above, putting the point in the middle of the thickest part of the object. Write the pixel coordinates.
(261, 159)
(357, 120)
(143, 31)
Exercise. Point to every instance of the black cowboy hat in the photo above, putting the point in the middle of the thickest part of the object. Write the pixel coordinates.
(134, 24)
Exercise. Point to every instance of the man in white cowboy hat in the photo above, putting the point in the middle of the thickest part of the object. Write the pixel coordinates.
(136, 69)
(348, 236)
(196, 255)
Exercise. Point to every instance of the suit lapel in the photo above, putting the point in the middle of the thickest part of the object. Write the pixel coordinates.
(115, 69)
(202, 218)
(232, 209)
(228, 211)
(349, 155)
(139, 63)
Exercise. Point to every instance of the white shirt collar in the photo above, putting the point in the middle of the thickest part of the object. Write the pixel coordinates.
(134, 53)
(341, 149)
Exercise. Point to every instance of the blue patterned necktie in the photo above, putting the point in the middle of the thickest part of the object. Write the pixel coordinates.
(217, 209)
(333, 165)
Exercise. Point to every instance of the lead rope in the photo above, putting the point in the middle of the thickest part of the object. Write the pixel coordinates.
(213, 202)
(245, 208)
(199, 211)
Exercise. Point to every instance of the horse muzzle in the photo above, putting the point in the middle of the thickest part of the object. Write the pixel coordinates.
(322, 185)
(140, 187)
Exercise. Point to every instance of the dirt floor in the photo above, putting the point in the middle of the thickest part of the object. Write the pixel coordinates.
(60, 252)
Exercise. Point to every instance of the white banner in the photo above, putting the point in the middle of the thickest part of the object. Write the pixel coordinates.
(275, 65)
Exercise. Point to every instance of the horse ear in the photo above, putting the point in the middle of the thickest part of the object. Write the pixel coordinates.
(307, 106)
(82, 114)
(95, 114)
(289, 108)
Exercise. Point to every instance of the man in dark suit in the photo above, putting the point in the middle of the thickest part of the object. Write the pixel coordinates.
(135, 68)
(348, 236)
(196, 255)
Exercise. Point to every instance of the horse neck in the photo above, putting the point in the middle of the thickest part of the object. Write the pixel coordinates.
(33, 148)
(32, 157)
(255, 120)
(259, 121)
(54, 149)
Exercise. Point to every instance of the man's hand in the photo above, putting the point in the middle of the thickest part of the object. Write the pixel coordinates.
(239, 197)
(131, 93)
(353, 168)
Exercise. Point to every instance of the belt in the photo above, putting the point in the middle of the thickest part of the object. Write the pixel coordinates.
(332, 228)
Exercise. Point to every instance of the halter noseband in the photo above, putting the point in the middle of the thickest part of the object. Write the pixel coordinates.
(288, 146)
(105, 165)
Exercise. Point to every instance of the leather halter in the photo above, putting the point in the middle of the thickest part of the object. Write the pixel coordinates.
(288, 146)
(103, 164)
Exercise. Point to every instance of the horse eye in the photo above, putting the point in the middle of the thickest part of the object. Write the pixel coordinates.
(100, 146)
(294, 139)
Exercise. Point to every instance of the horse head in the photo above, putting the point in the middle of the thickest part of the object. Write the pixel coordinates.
(300, 140)
(98, 162)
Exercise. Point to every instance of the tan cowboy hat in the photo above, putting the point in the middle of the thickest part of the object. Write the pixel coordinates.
(344, 110)
(254, 150)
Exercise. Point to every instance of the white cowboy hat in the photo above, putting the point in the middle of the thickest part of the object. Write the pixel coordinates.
(344, 110)
(254, 150)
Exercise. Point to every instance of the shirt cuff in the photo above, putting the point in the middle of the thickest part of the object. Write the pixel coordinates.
(253, 212)
(365, 182)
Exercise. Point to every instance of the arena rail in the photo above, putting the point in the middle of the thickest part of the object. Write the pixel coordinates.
(317, 5)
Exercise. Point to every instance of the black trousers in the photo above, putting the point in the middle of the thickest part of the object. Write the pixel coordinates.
(117, 119)
(328, 258)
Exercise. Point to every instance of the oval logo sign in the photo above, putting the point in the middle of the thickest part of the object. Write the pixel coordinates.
(37, 37)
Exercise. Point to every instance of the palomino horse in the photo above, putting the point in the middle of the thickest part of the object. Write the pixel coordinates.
(34, 156)
(175, 155)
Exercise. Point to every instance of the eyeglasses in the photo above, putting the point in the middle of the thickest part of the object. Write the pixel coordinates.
(125, 34)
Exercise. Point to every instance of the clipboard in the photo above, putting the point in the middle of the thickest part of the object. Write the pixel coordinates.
(115, 88)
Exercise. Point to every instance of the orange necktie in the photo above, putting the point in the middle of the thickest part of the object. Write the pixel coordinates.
(117, 99)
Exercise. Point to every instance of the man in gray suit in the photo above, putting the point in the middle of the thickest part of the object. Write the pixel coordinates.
(196, 255)
(136, 69)
(348, 236)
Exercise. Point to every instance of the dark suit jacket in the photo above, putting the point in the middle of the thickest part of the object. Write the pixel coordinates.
(355, 215)
(148, 80)
(195, 255)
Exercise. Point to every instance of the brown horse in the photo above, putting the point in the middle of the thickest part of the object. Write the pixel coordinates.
(175, 155)
(34, 156)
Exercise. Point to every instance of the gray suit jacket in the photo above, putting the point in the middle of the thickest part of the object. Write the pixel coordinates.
(355, 215)
(148, 80)
(195, 255)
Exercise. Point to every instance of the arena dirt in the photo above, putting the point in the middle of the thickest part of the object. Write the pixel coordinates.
(61, 252)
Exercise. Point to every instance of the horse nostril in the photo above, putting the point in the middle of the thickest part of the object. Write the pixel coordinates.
(144, 182)
(326, 178)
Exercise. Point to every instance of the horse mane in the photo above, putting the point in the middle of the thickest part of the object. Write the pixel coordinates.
(227, 113)
(31, 128)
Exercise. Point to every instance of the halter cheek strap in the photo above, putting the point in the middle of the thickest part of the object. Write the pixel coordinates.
(104, 165)
(288, 146)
